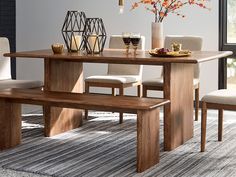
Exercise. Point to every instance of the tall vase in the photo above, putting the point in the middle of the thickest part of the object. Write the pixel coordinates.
(157, 35)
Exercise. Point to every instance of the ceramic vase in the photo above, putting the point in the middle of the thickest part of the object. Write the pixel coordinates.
(157, 35)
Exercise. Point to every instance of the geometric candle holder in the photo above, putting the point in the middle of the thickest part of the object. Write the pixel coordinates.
(72, 30)
(94, 35)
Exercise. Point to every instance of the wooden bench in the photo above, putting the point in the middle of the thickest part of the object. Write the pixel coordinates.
(147, 110)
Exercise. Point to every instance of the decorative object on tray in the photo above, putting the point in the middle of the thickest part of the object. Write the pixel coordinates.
(176, 47)
(161, 9)
(164, 52)
(72, 30)
(94, 35)
(57, 48)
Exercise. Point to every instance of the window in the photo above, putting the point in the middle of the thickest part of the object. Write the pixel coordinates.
(231, 21)
(227, 41)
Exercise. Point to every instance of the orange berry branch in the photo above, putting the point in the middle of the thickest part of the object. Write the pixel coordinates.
(161, 8)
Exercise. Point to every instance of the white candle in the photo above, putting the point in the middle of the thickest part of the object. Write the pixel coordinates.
(75, 42)
(93, 43)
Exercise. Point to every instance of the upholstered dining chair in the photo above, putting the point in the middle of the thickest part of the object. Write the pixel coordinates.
(6, 80)
(119, 76)
(223, 99)
(193, 43)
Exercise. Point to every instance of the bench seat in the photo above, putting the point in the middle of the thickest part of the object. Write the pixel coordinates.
(147, 110)
(100, 102)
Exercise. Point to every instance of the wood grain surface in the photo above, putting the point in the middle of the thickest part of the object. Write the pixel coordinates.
(10, 124)
(148, 146)
(119, 56)
(65, 77)
(178, 115)
(147, 110)
(78, 100)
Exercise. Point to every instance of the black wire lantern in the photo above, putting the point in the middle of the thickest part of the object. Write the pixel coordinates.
(94, 35)
(72, 30)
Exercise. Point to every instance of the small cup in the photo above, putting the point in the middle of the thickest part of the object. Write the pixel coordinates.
(57, 48)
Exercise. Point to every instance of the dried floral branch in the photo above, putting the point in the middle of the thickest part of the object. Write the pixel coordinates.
(161, 8)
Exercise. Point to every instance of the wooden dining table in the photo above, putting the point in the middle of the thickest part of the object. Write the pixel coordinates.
(64, 72)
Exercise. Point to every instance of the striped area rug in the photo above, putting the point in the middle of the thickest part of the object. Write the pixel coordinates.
(102, 148)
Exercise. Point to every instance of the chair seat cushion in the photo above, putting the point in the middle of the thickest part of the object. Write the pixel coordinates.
(159, 82)
(113, 79)
(153, 82)
(223, 96)
(10, 83)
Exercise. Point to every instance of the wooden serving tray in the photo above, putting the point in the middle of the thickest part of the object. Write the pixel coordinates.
(170, 54)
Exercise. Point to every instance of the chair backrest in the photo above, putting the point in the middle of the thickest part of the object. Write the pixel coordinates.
(5, 62)
(193, 43)
(116, 42)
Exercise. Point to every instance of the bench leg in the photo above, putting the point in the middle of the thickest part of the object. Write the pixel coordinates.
(147, 139)
(10, 124)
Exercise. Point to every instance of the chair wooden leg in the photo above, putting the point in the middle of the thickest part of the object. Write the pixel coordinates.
(144, 91)
(139, 90)
(220, 124)
(121, 92)
(196, 103)
(203, 126)
(113, 90)
(86, 91)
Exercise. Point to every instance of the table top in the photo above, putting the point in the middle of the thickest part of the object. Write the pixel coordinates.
(119, 57)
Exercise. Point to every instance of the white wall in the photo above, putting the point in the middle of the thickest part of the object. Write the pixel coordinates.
(38, 25)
